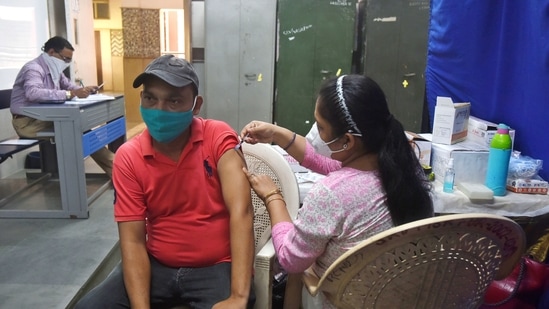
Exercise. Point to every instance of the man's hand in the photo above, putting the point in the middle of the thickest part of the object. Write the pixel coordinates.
(232, 303)
(92, 89)
(81, 92)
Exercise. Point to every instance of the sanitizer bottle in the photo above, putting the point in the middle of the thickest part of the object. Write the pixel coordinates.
(498, 161)
(449, 177)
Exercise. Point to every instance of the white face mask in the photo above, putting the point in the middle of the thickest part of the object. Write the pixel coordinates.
(319, 145)
(56, 66)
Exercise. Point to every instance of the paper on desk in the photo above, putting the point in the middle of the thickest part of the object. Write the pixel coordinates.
(311, 177)
(91, 98)
(19, 142)
(279, 150)
(296, 168)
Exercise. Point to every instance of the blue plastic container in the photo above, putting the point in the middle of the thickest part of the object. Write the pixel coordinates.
(498, 161)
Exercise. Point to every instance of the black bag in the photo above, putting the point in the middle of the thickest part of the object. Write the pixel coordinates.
(279, 288)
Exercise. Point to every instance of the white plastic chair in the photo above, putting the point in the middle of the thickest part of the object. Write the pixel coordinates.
(264, 159)
(442, 262)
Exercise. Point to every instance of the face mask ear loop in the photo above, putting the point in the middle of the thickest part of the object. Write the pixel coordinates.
(332, 141)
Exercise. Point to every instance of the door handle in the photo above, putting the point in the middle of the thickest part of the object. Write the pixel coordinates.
(250, 76)
(325, 72)
(409, 74)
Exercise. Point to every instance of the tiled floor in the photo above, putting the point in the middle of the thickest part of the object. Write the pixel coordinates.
(47, 263)
(44, 263)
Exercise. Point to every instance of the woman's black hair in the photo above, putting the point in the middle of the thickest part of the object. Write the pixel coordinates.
(57, 43)
(365, 110)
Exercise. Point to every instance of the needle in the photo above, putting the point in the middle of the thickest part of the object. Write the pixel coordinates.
(99, 87)
(241, 141)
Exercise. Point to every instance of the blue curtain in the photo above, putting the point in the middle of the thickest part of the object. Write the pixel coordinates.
(494, 54)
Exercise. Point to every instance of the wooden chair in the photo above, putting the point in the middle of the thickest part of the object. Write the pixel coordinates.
(441, 262)
(264, 159)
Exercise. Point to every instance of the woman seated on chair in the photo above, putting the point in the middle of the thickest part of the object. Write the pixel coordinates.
(374, 180)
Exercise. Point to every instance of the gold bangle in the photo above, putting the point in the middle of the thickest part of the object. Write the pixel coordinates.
(275, 199)
(275, 191)
(266, 201)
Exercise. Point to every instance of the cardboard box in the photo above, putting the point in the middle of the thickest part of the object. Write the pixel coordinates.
(482, 131)
(470, 161)
(528, 186)
(421, 146)
(451, 121)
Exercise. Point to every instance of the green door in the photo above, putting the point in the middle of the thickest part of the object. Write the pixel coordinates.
(396, 54)
(315, 41)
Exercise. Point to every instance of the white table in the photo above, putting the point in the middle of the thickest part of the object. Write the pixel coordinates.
(531, 211)
(510, 205)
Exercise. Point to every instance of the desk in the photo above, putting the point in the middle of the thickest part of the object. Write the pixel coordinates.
(531, 211)
(80, 128)
(510, 205)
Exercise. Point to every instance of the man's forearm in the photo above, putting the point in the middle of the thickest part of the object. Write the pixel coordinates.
(136, 265)
(242, 252)
(137, 278)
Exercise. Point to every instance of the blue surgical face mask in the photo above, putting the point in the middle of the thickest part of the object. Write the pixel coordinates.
(166, 126)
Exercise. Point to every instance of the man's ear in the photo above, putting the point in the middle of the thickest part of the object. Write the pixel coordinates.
(198, 106)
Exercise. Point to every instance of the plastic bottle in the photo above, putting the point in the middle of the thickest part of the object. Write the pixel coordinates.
(498, 161)
(449, 177)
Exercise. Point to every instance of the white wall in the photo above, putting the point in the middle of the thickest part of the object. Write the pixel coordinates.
(24, 29)
(83, 65)
(79, 17)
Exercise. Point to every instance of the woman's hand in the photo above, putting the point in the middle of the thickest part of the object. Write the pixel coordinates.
(261, 184)
(258, 132)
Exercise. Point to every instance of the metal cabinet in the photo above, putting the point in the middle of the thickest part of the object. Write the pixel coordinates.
(239, 60)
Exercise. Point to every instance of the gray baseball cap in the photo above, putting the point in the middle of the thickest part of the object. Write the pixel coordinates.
(175, 71)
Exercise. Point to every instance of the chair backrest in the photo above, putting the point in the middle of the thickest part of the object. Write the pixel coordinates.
(264, 159)
(441, 262)
(5, 98)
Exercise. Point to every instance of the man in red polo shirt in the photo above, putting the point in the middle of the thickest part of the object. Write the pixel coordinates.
(182, 204)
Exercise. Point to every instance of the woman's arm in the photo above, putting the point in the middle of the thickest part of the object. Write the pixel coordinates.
(263, 132)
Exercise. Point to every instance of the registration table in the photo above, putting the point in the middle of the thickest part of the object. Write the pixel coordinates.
(80, 128)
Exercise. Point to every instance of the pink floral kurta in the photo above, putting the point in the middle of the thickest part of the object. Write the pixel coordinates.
(342, 209)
